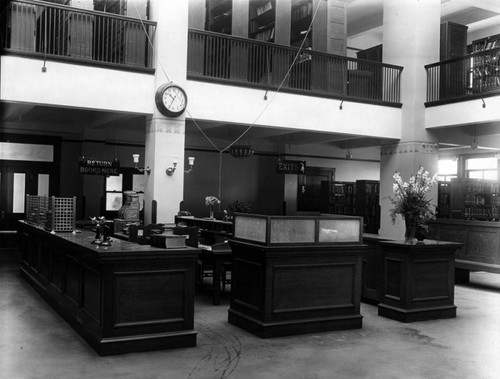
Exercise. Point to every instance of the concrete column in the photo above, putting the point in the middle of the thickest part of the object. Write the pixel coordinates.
(165, 136)
(410, 39)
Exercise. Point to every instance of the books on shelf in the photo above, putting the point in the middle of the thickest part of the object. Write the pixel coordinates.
(266, 35)
(263, 8)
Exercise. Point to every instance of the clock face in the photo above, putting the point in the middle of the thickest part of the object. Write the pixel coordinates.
(171, 100)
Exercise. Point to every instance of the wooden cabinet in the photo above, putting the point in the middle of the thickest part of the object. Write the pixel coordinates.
(338, 197)
(453, 77)
(367, 204)
(453, 41)
(366, 80)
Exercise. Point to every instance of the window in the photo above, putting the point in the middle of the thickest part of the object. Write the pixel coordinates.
(128, 180)
(447, 169)
(482, 168)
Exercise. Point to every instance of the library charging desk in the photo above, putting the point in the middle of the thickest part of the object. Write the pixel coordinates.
(419, 280)
(120, 298)
(296, 274)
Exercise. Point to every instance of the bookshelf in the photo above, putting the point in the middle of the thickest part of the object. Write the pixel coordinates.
(474, 199)
(367, 204)
(219, 16)
(300, 19)
(338, 197)
(486, 67)
(262, 15)
(443, 205)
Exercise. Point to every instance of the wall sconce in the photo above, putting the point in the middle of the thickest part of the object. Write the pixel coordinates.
(170, 170)
(191, 164)
(136, 161)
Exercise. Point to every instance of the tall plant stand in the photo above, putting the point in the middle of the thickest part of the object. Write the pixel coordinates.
(419, 280)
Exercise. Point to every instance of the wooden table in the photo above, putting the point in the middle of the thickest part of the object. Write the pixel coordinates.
(120, 298)
(216, 255)
(419, 279)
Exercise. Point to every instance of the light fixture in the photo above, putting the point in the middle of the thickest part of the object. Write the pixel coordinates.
(241, 151)
(474, 144)
(136, 161)
(348, 155)
(191, 164)
(170, 170)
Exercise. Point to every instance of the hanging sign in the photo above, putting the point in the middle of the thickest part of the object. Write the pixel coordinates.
(291, 167)
(98, 167)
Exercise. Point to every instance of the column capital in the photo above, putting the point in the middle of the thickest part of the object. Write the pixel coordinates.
(410, 148)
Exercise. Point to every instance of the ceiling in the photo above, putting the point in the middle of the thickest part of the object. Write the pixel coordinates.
(363, 16)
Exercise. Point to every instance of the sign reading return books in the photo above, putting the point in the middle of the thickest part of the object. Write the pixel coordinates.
(291, 167)
(98, 167)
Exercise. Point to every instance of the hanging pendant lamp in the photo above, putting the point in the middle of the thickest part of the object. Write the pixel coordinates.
(241, 151)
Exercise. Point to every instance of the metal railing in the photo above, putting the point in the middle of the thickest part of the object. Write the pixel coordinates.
(247, 62)
(460, 79)
(57, 31)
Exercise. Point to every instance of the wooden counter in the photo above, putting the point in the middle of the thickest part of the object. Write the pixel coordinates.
(418, 280)
(481, 244)
(122, 298)
(373, 269)
(287, 290)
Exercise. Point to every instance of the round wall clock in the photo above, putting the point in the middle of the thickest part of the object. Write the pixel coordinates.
(171, 100)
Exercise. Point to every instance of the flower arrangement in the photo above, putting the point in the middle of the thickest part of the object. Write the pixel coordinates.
(211, 200)
(410, 199)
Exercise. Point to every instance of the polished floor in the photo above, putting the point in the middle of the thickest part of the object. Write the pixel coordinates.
(36, 343)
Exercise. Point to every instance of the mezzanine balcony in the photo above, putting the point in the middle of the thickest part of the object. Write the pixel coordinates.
(52, 31)
(245, 62)
(474, 76)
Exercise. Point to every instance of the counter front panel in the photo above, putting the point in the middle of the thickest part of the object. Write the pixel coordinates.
(121, 298)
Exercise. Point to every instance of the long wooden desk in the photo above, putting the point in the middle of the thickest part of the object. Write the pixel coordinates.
(122, 298)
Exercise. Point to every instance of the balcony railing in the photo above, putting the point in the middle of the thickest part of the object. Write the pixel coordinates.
(239, 61)
(60, 32)
(473, 76)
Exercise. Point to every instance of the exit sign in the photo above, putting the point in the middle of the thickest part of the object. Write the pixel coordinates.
(291, 167)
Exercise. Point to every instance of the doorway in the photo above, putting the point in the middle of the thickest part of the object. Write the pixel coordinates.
(309, 197)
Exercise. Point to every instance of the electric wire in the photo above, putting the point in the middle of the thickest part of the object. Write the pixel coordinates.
(268, 104)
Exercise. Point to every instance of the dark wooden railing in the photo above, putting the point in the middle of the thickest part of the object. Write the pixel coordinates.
(246, 62)
(459, 79)
(56, 31)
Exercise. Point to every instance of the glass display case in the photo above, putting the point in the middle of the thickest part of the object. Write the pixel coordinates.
(279, 230)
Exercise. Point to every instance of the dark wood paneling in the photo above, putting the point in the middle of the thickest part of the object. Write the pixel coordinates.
(153, 297)
(123, 298)
(419, 280)
(293, 289)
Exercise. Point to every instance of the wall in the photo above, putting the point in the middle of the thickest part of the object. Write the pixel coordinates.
(73, 85)
(253, 180)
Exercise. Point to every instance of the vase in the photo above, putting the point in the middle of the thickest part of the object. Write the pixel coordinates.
(211, 212)
(130, 211)
(411, 228)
